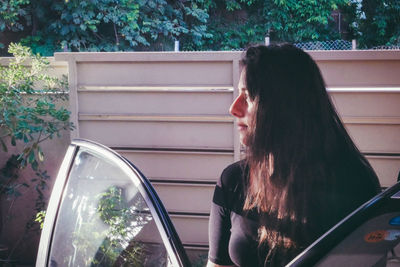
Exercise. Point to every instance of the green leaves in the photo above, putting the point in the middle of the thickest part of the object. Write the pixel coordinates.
(40, 218)
(296, 21)
(10, 14)
(236, 24)
(378, 23)
(125, 25)
(30, 113)
(122, 219)
(112, 25)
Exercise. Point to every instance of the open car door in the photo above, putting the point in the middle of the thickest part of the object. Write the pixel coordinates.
(370, 236)
(104, 212)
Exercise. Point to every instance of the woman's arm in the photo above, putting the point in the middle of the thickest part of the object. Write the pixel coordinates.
(219, 233)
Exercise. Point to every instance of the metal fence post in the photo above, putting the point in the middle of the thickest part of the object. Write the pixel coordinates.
(267, 40)
(354, 44)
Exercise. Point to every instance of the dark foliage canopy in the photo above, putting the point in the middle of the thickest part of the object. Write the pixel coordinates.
(139, 25)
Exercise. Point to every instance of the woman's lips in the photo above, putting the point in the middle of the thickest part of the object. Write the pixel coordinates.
(242, 126)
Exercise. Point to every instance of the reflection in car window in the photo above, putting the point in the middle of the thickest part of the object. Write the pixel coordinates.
(104, 220)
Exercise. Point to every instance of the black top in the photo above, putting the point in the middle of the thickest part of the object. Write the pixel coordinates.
(233, 233)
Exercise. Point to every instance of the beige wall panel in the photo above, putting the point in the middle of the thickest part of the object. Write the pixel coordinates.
(361, 73)
(159, 134)
(189, 166)
(191, 229)
(387, 168)
(58, 70)
(155, 102)
(371, 104)
(195, 198)
(182, 56)
(155, 73)
(375, 138)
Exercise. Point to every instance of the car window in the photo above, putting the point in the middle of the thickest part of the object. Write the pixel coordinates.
(104, 220)
(106, 216)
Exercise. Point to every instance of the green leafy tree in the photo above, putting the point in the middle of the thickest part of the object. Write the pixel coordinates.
(12, 13)
(378, 23)
(123, 25)
(295, 21)
(238, 23)
(104, 25)
(112, 25)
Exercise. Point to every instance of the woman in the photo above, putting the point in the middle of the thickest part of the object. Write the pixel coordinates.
(302, 172)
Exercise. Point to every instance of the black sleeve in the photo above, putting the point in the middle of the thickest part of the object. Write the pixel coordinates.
(220, 224)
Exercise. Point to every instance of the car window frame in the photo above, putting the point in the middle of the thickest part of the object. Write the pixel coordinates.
(164, 224)
(328, 241)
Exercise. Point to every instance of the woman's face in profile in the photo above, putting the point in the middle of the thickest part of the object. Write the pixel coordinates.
(244, 109)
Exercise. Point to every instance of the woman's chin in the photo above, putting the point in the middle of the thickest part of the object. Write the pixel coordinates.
(243, 140)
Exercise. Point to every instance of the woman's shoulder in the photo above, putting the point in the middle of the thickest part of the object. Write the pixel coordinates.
(233, 175)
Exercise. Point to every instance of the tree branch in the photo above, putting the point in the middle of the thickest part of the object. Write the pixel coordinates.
(116, 34)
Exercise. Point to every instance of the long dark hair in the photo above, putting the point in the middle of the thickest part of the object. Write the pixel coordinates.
(299, 154)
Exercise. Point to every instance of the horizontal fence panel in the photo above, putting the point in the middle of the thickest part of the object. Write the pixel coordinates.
(188, 198)
(157, 89)
(164, 56)
(186, 166)
(386, 167)
(364, 103)
(155, 118)
(155, 73)
(192, 230)
(214, 135)
(377, 121)
(367, 73)
(211, 102)
(375, 138)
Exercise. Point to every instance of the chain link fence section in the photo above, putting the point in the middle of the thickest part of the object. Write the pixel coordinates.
(315, 45)
(385, 47)
(339, 45)
(325, 45)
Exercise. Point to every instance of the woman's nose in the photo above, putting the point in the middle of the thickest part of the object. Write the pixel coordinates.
(237, 107)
